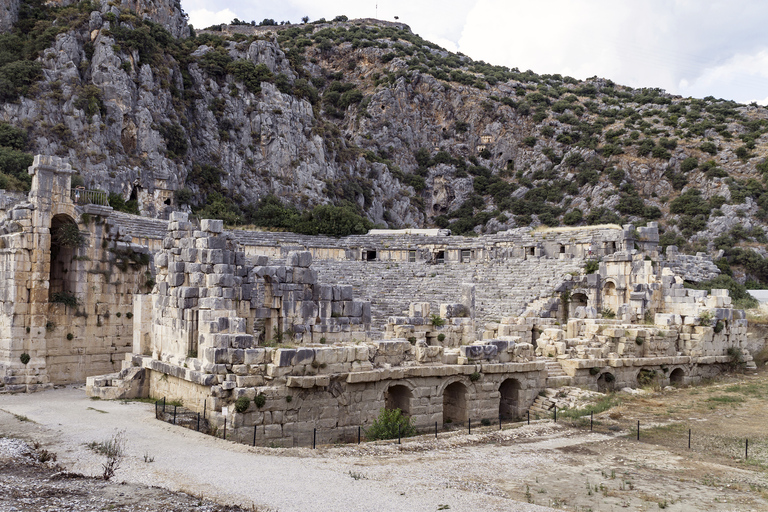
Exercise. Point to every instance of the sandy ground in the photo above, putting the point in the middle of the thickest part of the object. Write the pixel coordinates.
(527, 468)
(65, 420)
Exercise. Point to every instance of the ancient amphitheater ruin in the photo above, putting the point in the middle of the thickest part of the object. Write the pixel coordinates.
(330, 331)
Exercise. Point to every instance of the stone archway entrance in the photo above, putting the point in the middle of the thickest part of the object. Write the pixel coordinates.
(398, 397)
(509, 401)
(455, 403)
(65, 240)
(577, 300)
(610, 297)
(606, 382)
(677, 377)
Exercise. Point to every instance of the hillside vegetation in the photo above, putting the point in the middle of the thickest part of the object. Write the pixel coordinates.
(334, 126)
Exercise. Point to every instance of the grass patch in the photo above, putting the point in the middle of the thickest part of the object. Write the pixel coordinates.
(602, 404)
(726, 399)
(97, 410)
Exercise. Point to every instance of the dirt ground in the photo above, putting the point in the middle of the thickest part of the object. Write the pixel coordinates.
(543, 466)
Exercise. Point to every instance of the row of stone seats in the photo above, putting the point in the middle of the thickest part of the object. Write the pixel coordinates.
(501, 289)
(136, 226)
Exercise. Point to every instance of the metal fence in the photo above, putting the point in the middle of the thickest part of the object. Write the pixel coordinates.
(82, 196)
(672, 436)
(178, 415)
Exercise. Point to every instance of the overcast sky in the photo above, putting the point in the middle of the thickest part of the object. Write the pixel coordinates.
(689, 47)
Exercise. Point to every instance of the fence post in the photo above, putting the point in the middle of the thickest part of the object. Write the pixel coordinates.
(174, 414)
(254, 435)
(435, 430)
(638, 430)
(689, 439)
(198, 422)
(398, 433)
(163, 404)
(499, 421)
(314, 438)
(358, 434)
(591, 418)
(555, 414)
(156, 408)
(225, 428)
(469, 425)
(529, 417)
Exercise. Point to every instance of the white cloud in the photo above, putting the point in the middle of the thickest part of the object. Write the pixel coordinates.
(201, 18)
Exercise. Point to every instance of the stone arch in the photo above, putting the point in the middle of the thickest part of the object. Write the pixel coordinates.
(65, 240)
(677, 377)
(398, 396)
(578, 299)
(610, 296)
(646, 377)
(455, 403)
(606, 382)
(509, 399)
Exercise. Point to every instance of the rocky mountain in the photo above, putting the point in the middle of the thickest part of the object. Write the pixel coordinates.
(332, 126)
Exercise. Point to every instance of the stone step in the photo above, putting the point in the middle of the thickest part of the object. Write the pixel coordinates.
(558, 382)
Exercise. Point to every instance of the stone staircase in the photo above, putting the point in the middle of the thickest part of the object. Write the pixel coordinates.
(542, 407)
(556, 376)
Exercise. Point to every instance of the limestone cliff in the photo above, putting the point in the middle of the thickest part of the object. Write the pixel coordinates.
(9, 13)
(366, 114)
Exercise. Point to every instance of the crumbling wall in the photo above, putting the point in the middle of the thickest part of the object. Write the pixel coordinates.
(66, 296)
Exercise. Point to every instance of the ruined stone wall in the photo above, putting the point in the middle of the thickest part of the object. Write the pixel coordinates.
(66, 299)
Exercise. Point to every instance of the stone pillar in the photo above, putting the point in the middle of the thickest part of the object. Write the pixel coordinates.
(142, 324)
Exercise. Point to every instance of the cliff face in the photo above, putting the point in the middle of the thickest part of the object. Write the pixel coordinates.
(9, 13)
(367, 114)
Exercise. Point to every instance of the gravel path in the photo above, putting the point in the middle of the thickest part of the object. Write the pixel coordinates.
(416, 476)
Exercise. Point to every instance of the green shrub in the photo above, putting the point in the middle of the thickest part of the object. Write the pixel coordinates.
(175, 139)
(117, 202)
(689, 164)
(441, 337)
(573, 217)
(24, 358)
(13, 138)
(690, 203)
(242, 403)
(474, 376)
(591, 266)
(390, 424)
(65, 298)
(436, 320)
(260, 400)
(608, 313)
(709, 147)
(68, 235)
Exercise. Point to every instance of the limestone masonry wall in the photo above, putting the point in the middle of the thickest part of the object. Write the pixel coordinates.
(283, 333)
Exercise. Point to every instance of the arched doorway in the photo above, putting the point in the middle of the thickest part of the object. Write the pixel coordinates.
(606, 382)
(455, 403)
(577, 300)
(509, 401)
(398, 397)
(65, 240)
(677, 377)
(610, 298)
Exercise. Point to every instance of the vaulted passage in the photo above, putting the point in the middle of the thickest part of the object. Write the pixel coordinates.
(509, 401)
(455, 403)
(605, 382)
(398, 397)
(676, 377)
